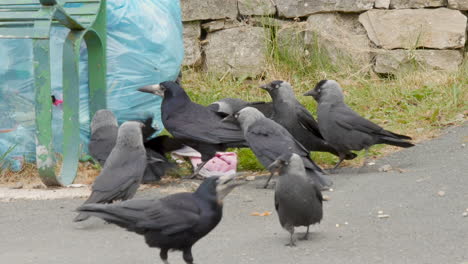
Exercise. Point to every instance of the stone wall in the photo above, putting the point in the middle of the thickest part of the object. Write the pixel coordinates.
(229, 36)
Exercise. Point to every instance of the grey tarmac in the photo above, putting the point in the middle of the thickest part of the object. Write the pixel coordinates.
(422, 200)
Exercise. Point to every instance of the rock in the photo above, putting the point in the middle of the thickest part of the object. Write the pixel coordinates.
(385, 168)
(458, 4)
(217, 25)
(291, 36)
(300, 8)
(17, 185)
(208, 9)
(400, 4)
(392, 61)
(192, 33)
(441, 193)
(250, 178)
(256, 7)
(439, 28)
(341, 35)
(383, 4)
(240, 51)
(39, 186)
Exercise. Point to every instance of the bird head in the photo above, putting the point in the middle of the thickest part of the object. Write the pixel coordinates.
(103, 118)
(326, 89)
(278, 165)
(217, 187)
(130, 134)
(245, 117)
(274, 85)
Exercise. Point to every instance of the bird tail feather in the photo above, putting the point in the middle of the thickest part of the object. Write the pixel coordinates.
(108, 213)
(396, 142)
(322, 180)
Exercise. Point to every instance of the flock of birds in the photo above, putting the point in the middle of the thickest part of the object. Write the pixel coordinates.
(281, 134)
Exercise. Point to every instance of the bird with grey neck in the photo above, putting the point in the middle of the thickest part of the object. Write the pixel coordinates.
(345, 129)
(292, 115)
(269, 140)
(298, 200)
(104, 129)
(123, 171)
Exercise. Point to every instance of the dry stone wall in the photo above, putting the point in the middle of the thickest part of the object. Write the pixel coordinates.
(231, 36)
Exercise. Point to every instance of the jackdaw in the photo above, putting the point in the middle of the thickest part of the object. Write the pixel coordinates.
(288, 112)
(194, 125)
(269, 140)
(123, 170)
(175, 222)
(104, 129)
(345, 129)
(298, 201)
(229, 106)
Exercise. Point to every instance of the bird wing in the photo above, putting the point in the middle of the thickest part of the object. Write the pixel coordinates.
(308, 121)
(122, 169)
(350, 120)
(270, 140)
(172, 214)
(201, 124)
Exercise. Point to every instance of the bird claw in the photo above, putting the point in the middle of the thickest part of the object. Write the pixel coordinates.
(305, 237)
(291, 244)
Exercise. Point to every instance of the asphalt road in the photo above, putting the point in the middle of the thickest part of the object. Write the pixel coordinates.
(424, 197)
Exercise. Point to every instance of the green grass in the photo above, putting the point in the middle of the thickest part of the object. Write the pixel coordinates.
(415, 102)
(4, 155)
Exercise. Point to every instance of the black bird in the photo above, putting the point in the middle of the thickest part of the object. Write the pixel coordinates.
(104, 129)
(158, 164)
(194, 125)
(229, 106)
(123, 170)
(298, 201)
(345, 129)
(288, 112)
(269, 140)
(175, 222)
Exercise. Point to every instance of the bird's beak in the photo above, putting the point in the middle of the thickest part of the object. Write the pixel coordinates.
(275, 166)
(223, 188)
(312, 93)
(265, 86)
(154, 89)
(229, 119)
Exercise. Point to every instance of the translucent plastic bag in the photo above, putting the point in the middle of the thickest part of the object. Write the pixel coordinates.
(144, 46)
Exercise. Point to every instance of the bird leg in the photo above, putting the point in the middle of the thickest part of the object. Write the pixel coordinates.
(291, 238)
(163, 255)
(187, 255)
(306, 235)
(342, 157)
(197, 170)
(268, 181)
(366, 157)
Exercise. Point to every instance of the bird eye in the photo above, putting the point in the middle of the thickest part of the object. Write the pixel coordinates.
(236, 115)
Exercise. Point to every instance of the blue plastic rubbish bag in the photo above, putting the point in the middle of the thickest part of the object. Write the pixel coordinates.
(144, 46)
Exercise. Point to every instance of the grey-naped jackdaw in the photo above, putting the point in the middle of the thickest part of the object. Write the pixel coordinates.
(269, 140)
(292, 115)
(345, 129)
(298, 200)
(104, 129)
(123, 170)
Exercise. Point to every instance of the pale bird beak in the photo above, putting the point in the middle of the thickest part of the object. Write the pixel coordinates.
(154, 89)
(223, 188)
